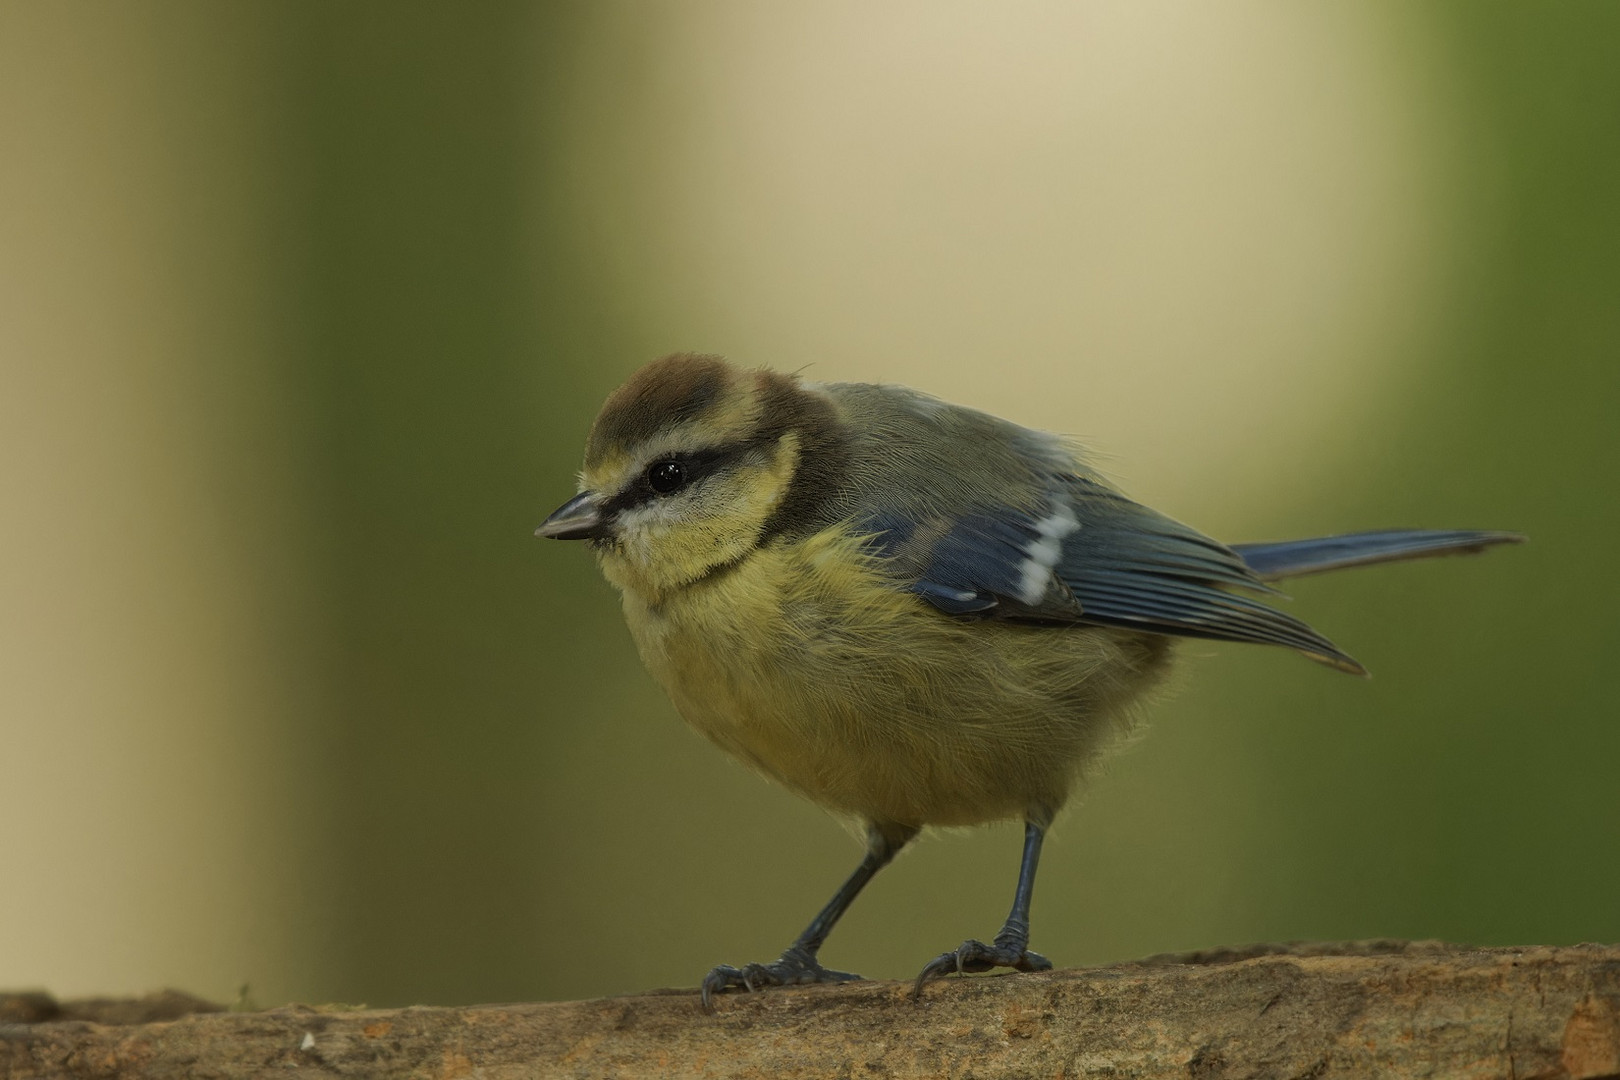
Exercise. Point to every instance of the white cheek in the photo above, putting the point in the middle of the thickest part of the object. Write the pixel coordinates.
(641, 528)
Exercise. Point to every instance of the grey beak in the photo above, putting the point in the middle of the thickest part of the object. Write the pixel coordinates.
(580, 518)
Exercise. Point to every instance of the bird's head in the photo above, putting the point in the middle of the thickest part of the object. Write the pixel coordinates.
(690, 466)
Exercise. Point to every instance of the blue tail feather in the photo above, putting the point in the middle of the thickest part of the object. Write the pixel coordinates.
(1292, 558)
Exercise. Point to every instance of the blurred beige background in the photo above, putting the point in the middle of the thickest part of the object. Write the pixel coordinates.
(304, 312)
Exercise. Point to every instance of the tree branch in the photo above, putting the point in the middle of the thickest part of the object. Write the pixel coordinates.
(1386, 1009)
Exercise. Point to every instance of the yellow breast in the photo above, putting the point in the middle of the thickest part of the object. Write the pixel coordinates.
(807, 662)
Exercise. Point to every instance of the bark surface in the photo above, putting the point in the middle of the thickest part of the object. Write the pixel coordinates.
(1369, 1009)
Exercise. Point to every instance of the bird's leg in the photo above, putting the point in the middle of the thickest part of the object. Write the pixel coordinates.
(1011, 947)
(798, 964)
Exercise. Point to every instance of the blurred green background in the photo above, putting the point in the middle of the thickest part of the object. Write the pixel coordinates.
(305, 310)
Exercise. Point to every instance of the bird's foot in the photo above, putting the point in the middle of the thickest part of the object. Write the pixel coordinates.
(973, 956)
(797, 966)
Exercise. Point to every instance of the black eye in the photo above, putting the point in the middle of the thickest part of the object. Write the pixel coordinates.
(666, 476)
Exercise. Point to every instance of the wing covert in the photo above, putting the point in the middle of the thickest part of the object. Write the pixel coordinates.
(996, 561)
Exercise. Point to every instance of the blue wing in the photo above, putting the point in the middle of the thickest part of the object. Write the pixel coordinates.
(1087, 555)
(1130, 566)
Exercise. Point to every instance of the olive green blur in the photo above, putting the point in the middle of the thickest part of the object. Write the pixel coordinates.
(305, 311)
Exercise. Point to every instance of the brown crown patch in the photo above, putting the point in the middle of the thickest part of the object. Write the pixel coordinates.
(669, 391)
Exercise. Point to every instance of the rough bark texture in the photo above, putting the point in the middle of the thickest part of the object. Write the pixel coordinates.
(1373, 1009)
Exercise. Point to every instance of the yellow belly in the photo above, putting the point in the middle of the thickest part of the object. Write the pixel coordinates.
(807, 663)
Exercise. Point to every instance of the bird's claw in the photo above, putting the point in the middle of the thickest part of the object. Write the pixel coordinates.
(975, 956)
(796, 967)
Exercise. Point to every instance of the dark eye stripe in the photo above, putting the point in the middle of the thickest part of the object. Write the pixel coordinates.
(696, 465)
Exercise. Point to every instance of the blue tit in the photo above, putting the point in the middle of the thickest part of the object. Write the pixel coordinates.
(910, 612)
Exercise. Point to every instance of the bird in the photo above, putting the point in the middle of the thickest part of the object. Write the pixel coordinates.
(913, 613)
